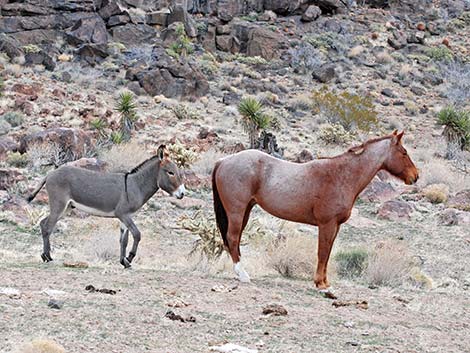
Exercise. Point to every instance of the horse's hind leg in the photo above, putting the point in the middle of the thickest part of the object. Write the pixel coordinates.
(48, 224)
(123, 241)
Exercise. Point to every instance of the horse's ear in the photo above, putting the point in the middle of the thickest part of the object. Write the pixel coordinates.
(160, 152)
(395, 132)
(400, 135)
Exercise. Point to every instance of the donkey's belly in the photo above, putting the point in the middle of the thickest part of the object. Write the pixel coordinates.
(91, 210)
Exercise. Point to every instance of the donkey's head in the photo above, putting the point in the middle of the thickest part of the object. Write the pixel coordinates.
(398, 162)
(169, 176)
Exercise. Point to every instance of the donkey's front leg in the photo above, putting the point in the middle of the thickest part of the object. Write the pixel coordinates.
(123, 241)
(135, 234)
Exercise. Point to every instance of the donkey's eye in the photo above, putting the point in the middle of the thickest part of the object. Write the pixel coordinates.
(170, 173)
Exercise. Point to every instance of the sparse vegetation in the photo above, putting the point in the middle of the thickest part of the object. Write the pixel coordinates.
(183, 45)
(334, 134)
(351, 263)
(17, 160)
(457, 128)
(117, 137)
(127, 109)
(183, 112)
(40, 346)
(254, 119)
(14, 118)
(457, 80)
(182, 155)
(350, 110)
(436, 193)
(440, 53)
(31, 49)
(123, 157)
(305, 57)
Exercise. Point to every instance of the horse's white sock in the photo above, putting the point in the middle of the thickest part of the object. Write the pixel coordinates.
(241, 273)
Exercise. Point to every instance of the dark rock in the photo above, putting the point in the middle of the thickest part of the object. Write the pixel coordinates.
(23, 9)
(157, 18)
(268, 16)
(228, 9)
(10, 177)
(398, 40)
(118, 20)
(378, 191)
(55, 304)
(208, 38)
(180, 14)
(267, 143)
(41, 58)
(311, 14)
(331, 6)
(304, 156)
(73, 143)
(387, 92)
(231, 98)
(205, 133)
(324, 73)
(282, 7)
(10, 46)
(112, 8)
(7, 144)
(274, 310)
(224, 43)
(223, 29)
(132, 34)
(92, 53)
(88, 30)
(241, 32)
(395, 210)
(175, 317)
(418, 90)
(265, 43)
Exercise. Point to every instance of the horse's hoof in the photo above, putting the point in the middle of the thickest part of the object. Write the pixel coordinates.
(327, 293)
(126, 263)
(46, 257)
(244, 278)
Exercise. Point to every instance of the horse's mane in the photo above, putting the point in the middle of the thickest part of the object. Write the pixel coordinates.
(368, 142)
(141, 165)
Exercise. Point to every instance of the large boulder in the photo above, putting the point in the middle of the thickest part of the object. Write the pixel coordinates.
(132, 34)
(180, 14)
(71, 143)
(282, 7)
(378, 191)
(264, 42)
(311, 14)
(88, 30)
(9, 177)
(331, 6)
(395, 210)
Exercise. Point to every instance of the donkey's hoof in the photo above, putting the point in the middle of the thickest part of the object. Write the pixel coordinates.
(126, 263)
(327, 293)
(46, 257)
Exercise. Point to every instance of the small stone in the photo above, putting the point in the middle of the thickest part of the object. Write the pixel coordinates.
(55, 304)
(275, 310)
(312, 13)
(387, 92)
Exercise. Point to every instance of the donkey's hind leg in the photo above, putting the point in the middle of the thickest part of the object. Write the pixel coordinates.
(135, 234)
(48, 224)
(123, 241)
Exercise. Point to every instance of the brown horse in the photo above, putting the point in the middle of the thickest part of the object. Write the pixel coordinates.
(321, 192)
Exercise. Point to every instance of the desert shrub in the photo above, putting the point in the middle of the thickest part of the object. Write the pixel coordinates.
(334, 134)
(103, 246)
(351, 263)
(18, 160)
(183, 45)
(456, 76)
(436, 193)
(384, 58)
(457, 128)
(305, 57)
(254, 119)
(50, 154)
(350, 110)
(183, 112)
(126, 107)
(40, 346)
(14, 118)
(181, 155)
(437, 171)
(441, 53)
(123, 157)
(389, 264)
(293, 256)
(31, 49)
(205, 164)
(100, 125)
(327, 41)
(250, 60)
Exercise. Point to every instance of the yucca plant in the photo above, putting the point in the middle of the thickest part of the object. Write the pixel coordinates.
(117, 137)
(127, 109)
(457, 128)
(254, 119)
(99, 125)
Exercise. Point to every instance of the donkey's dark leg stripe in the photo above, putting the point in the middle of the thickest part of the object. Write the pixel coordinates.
(46, 257)
(131, 256)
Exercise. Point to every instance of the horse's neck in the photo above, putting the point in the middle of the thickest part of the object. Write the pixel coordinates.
(146, 179)
(362, 168)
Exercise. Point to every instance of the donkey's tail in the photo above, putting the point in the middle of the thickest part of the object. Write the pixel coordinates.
(35, 192)
(220, 213)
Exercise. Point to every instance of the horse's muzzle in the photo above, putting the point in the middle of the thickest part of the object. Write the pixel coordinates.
(179, 193)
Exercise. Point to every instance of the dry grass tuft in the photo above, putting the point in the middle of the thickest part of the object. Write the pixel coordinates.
(439, 171)
(41, 346)
(206, 162)
(293, 256)
(436, 193)
(351, 263)
(103, 246)
(389, 264)
(124, 157)
(384, 58)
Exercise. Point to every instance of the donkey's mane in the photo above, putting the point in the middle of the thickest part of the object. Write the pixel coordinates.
(138, 167)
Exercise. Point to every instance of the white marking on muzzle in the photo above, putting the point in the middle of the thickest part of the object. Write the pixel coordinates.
(179, 193)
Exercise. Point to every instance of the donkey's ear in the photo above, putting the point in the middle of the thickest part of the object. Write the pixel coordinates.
(160, 152)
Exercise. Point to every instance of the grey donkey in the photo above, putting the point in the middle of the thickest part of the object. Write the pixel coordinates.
(117, 195)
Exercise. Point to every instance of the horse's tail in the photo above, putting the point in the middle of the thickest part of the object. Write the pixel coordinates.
(35, 192)
(220, 213)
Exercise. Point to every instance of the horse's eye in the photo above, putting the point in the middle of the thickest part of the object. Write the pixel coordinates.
(170, 173)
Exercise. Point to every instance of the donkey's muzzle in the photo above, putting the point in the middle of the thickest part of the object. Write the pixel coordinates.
(179, 193)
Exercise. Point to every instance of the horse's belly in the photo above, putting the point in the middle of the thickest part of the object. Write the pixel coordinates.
(91, 210)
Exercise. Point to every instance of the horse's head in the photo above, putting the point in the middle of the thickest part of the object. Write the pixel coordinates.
(169, 176)
(398, 162)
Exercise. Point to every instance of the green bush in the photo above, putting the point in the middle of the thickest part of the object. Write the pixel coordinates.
(183, 45)
(14, 118)
(183, 112)
(440, 53)
(457, 127)
(334, 134)
(348, 109)
(18, 160)
(351, 263)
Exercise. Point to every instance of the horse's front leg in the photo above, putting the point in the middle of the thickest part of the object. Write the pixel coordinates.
(124, 238)
(326, 236)
(135, 234)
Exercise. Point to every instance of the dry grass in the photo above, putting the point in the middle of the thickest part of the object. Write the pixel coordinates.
(436, 193)
(123, 157)
(41, 346)
(439, 171)
(356, 51)
(293, 255)
(384, 58)
(389, 264)
(206, 161)
(103, 245)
